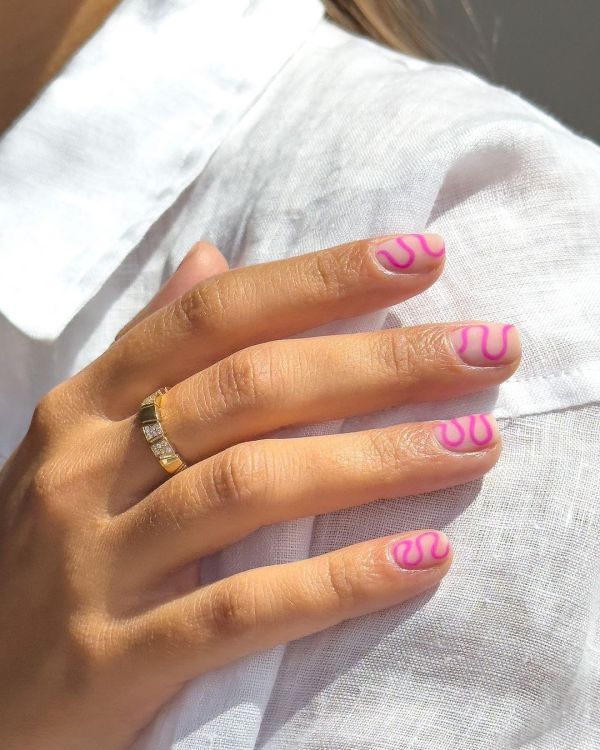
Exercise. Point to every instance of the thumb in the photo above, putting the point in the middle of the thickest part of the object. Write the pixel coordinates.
(201, 262)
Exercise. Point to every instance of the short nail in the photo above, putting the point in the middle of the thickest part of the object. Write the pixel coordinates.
(425, 549)
(468, 434)
(410, 253)
(190, 253)
(483, 344)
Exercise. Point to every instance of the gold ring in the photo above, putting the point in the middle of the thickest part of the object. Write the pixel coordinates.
(154, 433)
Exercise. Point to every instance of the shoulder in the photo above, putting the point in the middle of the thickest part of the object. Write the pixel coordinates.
(366, 96)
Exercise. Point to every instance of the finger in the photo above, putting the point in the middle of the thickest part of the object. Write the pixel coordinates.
(200, 263)
(289, 382)
(250, 305)
(260, 608)
(226, 497)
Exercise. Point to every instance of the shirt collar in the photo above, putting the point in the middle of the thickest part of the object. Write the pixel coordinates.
(113, 140)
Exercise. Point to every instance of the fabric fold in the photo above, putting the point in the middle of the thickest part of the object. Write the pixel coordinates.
(114, 140)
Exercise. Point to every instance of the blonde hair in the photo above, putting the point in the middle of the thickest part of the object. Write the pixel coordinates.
(400, 24)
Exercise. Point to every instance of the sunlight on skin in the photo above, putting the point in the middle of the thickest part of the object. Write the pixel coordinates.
(36, 39)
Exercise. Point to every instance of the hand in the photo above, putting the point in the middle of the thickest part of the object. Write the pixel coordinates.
(103, 617)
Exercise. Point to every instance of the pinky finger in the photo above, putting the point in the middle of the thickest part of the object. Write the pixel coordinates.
(263, 607)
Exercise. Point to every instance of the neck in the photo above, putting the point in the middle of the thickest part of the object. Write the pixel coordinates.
(37, 37)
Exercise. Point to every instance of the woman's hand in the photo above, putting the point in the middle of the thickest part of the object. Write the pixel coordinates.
(103, 618)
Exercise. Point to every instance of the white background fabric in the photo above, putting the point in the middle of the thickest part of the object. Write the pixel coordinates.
(338, 139)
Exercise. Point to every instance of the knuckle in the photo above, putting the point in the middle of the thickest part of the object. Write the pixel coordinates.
(387, 447)
(52, 503)
(203, 308)
(68, 469)
(62, 477)
(412, 355)
(343, 581)
(86, 635)
(235, 475)
(391, 447)
(245, 378)
(43, 415)
(335, 274)
(46, 414)
(415, 442)
(48, 486)
(421, 350)
(58, 411)
(92, 647)
(232, 611)
(85, 656)
(402, 355)
(42, 483)
(394, 448)
(190, 496)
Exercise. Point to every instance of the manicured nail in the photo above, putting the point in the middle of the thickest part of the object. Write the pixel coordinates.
(483, 344)
(410, 253)
(422, 550)
(468, 434)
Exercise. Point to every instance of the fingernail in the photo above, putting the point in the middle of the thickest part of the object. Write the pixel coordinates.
(486, 344)
(467, 434)
(419, 551)
(410, 253)
(190, 253)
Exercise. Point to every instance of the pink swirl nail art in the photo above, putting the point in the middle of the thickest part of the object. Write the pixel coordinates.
(467, 433)
(482, 344)
(423, 550)
(399, 255)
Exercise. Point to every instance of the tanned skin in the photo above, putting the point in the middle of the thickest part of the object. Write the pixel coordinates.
(37, 38)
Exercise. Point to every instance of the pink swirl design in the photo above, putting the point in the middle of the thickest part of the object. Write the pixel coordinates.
(410, 553)
(485, 335)
(411, 255)
(460, 440)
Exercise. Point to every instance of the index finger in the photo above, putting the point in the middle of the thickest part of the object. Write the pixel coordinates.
(260, 303)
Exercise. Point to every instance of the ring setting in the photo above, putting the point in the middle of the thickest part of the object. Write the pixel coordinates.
(161, 446)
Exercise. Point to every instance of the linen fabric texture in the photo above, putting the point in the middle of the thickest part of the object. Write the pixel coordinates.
(265, 129)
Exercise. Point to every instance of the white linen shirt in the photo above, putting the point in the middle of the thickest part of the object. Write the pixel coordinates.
(260, 126)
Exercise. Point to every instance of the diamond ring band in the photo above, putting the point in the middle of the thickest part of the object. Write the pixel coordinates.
(149, 415)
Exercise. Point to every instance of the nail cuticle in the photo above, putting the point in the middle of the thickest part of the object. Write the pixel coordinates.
(411, 254)
(471, 434)
(482, 345)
